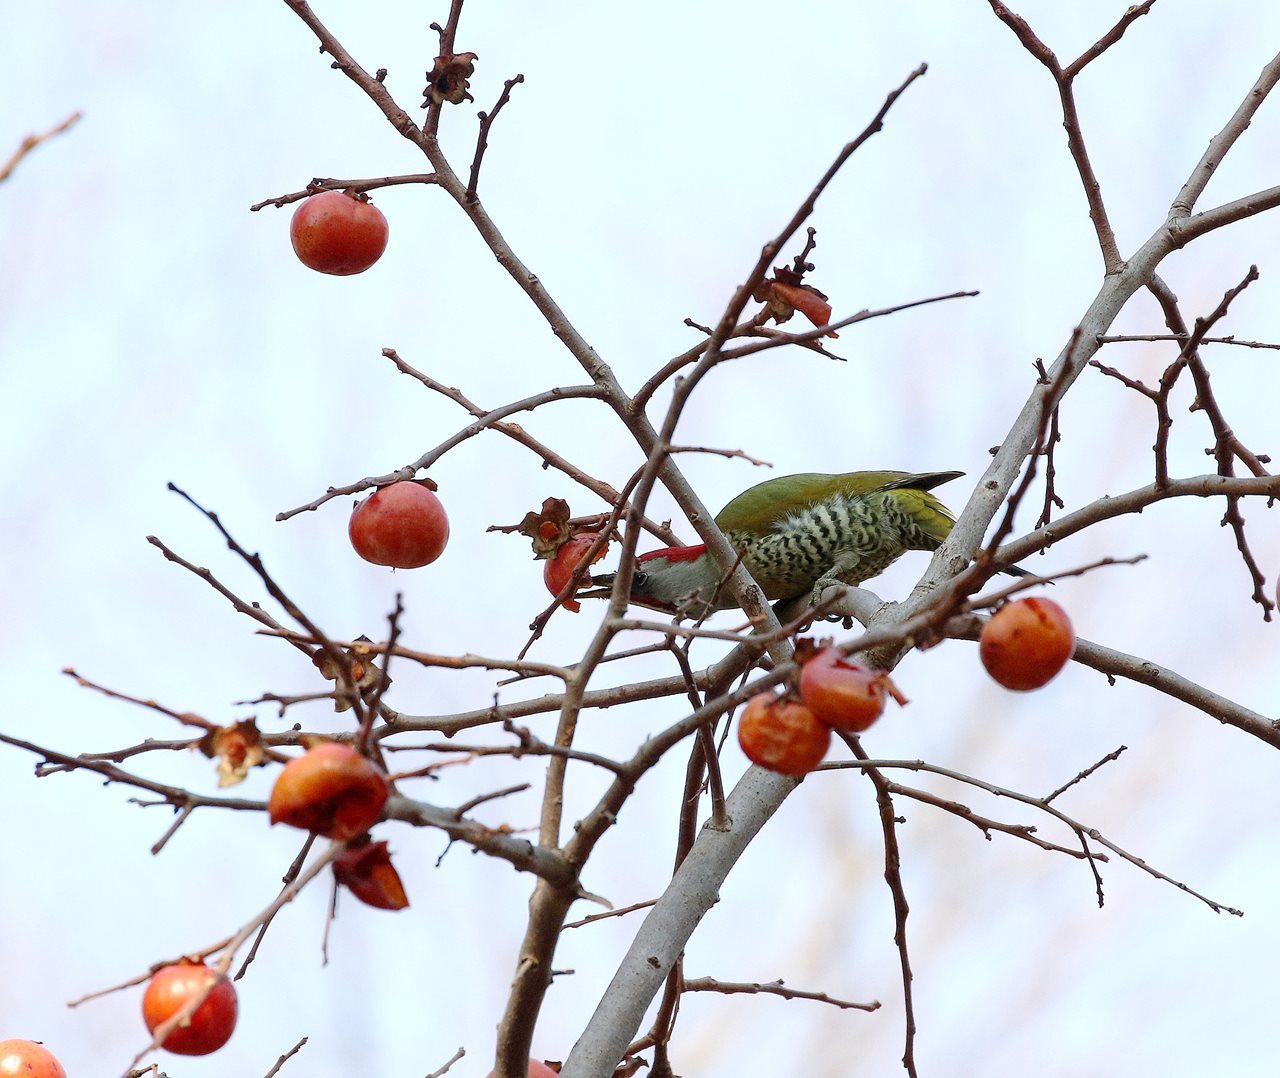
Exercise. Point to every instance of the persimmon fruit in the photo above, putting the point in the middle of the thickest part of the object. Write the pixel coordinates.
(1026, 643)
(781, 734)
(338, 233)
(28, 1059)
(331, 790)
(367, 872)
(209, 1026)
(841, 693)
(558, 568)
(402, 525)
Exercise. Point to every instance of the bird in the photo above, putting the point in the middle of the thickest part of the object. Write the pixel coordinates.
(797, 535)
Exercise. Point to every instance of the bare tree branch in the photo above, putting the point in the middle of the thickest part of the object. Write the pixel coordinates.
(32, 141)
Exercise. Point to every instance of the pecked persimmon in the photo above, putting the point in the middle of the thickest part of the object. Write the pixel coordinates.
(807, 300)
(841, 693)
(557, 569)
(781, 734)
(331, 790)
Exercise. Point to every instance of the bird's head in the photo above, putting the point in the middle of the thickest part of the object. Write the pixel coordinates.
(674, 580)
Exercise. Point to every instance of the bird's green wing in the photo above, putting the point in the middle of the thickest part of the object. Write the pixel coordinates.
(932, 517)
(929, 515)
(759, 508)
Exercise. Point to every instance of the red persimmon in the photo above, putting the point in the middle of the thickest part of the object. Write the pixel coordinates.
(781, 734)
(331, 789)
(209, 1026)
(402, 525)
(557, 569)
(338, 233)
(28, 1059)
(1026, 643)
(841, 693)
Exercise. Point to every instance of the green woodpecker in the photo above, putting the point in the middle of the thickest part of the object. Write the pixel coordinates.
(799, 534)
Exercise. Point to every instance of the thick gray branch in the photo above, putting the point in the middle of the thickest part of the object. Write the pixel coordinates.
(693, 891)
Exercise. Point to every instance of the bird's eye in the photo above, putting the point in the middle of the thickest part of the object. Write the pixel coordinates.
(639, 579)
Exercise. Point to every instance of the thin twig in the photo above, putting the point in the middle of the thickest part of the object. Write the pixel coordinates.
(1126, 338)
(341, 659)
(1026, 832)
(32, 141)
(1043, 805)
(1227, 446)
(773, 988)
(363, 741)
(343, 61)
(778, 338)
(290, 874)
(1113, 755)
(251, 610)
(1063, 78)
(482, 137)
(328, 183)
(285, 1058)
(442, 1071)
(622, 910)
(893, 877)
(1108, 39)
(171, 795)
(187, 718)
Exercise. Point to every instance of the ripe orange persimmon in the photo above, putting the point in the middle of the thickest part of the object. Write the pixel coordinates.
(209, 1026)
(338, 233)
(331, 789)
(1026, 643)
(28, 1059)
(781, 734)
(402, 525)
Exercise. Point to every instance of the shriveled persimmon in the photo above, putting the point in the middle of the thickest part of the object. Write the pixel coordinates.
(367, 872)
(808, 301)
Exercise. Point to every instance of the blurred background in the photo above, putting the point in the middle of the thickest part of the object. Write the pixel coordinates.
(153, 329)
